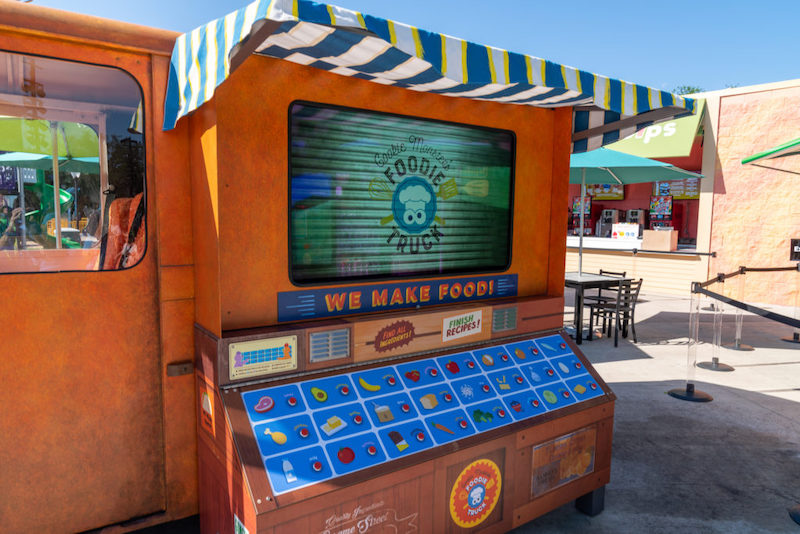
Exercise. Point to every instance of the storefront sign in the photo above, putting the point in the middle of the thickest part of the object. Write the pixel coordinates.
(475, 493)
(562, 460)
(606, 191)
(262, 357)
(463, 325)
(331, 302)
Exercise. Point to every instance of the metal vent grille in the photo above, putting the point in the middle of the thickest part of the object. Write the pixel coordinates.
(329, 345)
(504, 319)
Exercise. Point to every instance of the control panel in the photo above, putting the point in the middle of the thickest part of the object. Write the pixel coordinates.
(315, 430)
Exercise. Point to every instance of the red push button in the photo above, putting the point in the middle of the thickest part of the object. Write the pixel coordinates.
(577, 365)
(391, 381)
(504, 357)
(549, 372)
(471, 364)
(345, 390)
(420, 436)
(462, 423)
(593, 385)
(291, 401)
(535, 351)
(566, 394)
(371, 450)
(518, 379)
(405, 408)
(448, 397)
(501, 413)
(358, 419)
(485, 388)
(563, 345)
(433, 372)
(304, 433)
(317, 466)
(534, 403)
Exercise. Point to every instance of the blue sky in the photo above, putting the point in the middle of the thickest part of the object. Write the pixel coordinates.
(712, 44)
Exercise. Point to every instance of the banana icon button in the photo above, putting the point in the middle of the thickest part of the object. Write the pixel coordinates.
(366, 385)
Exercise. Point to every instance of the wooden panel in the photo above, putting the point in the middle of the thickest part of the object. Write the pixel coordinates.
(405, 334)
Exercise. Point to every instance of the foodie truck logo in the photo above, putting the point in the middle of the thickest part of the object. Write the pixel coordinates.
(475, 493)
(413, 178)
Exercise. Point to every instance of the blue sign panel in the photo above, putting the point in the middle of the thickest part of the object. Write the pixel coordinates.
(333, 302)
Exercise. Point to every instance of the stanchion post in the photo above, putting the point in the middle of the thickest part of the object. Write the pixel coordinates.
(690, 393)
(714, 364)
(795, 338)
(737, 342)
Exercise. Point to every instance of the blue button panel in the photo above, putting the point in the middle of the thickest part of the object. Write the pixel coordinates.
(319, 429)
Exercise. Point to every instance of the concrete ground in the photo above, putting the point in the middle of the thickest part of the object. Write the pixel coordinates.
(728, 466)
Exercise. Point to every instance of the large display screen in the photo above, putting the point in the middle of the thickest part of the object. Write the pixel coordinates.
(375, 195)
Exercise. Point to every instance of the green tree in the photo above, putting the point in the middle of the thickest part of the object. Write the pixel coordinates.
(687, 89)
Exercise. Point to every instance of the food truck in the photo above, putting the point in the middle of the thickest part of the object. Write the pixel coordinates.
(323, 287)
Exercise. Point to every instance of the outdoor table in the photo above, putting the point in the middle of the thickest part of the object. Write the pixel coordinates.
(581, 282)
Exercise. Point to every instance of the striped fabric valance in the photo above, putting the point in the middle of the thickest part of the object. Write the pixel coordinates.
(349, 43)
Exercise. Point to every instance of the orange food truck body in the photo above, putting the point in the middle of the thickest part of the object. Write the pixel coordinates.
(366, 282)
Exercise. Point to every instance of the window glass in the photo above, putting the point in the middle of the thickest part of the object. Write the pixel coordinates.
(71, 166)
(378, 196)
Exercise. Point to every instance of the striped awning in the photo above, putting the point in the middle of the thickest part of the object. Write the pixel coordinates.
(383, 51)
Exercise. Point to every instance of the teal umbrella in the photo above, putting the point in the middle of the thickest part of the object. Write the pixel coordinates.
(605, 166)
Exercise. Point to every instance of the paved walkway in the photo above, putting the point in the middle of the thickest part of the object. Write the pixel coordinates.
(728, 466)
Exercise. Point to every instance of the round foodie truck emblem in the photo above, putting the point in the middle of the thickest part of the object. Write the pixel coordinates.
(475, 493)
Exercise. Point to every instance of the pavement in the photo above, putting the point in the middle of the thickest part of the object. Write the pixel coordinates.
(729, 466)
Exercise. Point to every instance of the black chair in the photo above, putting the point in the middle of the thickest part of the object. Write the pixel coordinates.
(621, 310)
(600, 297)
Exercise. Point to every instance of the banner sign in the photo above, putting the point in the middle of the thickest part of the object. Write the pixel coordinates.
(335, 302)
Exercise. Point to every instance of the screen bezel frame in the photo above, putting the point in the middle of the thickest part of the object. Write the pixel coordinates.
(383, 277)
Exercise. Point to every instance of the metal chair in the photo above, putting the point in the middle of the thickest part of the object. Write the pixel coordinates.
(600, 297)
(621, 310)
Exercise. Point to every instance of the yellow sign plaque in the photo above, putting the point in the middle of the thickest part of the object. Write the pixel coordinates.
(261, 357)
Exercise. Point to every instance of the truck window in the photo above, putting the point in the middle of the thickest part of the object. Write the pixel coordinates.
(72, 166)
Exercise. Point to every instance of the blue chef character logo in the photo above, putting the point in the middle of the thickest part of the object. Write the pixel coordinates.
(414, 205)
(476, 496)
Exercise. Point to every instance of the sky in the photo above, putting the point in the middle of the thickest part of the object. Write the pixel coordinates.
(709, 44)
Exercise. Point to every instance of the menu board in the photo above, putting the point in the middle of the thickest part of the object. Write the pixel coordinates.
(687, 189)
(606, 191)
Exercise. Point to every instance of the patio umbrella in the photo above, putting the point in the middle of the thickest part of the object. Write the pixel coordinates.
(605, 166)
(26, 160)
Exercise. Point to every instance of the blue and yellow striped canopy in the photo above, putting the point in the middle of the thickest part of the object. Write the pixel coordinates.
(349, 43)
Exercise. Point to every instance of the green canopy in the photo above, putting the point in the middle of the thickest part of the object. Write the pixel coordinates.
(34, 136)
(786, 149)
